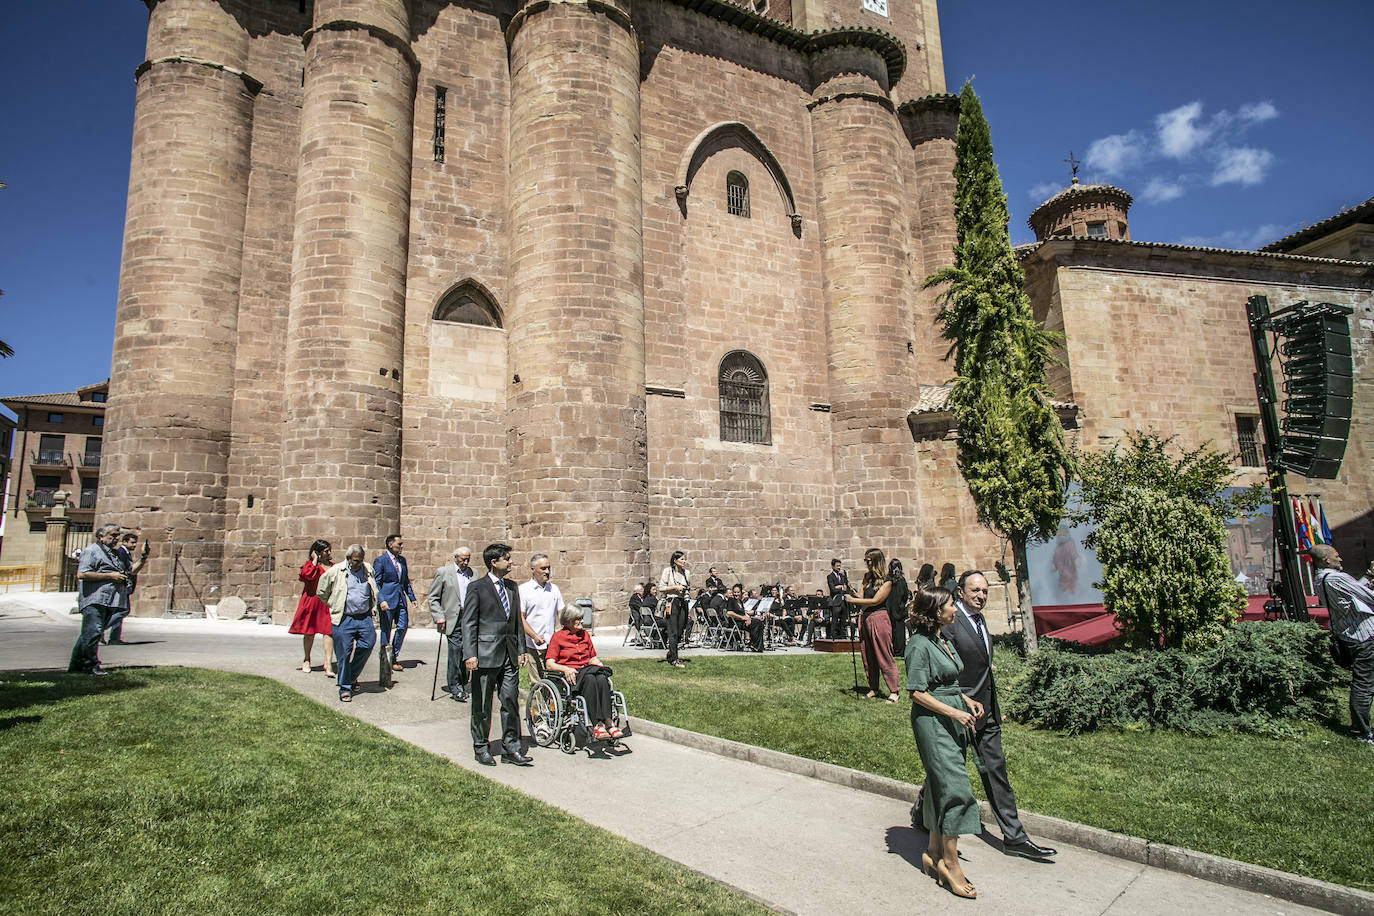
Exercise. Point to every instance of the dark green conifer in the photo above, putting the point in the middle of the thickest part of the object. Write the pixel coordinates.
(1012, 452)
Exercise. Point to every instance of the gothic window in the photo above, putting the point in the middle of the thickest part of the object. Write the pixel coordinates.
(440, 116)
(468, 304)
(744, 415)
(737, 194)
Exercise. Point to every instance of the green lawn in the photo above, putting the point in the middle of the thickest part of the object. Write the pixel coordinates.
(188, 791)
(1303, 806)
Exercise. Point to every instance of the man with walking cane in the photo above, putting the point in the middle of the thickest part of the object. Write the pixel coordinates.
(446, 596)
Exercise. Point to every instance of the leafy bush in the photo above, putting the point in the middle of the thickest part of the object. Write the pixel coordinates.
(1260, 677)
(1160, 534)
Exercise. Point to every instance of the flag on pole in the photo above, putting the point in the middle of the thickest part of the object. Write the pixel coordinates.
(1300, 526)
(1313, 527)
(1326, 529)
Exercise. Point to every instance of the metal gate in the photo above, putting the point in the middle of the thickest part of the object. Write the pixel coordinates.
(79, 536)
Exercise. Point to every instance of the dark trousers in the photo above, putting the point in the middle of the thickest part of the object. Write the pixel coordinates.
(988, 739)
(86, 653)
(504, 681)
(1361, 686)
(115, 625)
(839, 623)
(456, 673)
(676, 620)
(593, 685)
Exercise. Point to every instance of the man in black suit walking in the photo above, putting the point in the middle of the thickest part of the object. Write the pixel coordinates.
(969, 634)
(492, 624)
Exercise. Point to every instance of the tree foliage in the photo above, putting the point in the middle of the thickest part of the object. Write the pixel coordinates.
(1161, 537)
(1012, 452)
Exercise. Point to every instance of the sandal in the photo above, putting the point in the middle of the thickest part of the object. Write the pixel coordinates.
(305, 666)
(345, 697)
(891, 698)
(617, 734)
(599, 733)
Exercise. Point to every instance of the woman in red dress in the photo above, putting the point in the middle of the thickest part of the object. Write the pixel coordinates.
(312, 614)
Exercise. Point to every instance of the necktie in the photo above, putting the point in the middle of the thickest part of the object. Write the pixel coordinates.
(505, 599)
(982, 632)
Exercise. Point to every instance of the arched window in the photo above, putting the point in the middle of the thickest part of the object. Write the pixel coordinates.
(744, 415)
(468, 303)
(737, 194)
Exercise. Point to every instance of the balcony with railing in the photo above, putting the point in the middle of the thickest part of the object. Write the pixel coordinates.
(90, 460)
(86, 500)
(50, 458)
(40, 498)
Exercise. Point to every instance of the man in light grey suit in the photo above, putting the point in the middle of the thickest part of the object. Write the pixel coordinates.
(969, 633)
(446, 596)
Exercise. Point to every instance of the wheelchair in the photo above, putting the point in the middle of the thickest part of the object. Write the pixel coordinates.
(555, 716)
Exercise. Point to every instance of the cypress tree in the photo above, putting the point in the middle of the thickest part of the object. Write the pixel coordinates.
(1012, 452)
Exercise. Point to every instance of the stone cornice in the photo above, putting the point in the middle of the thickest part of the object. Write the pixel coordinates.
(1162, 257)
(925, 104)
(609, 10)
(883, 43)
(253, 86)
(882, 100)
(390, 39)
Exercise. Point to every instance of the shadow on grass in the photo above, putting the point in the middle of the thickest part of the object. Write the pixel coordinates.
(37, 687)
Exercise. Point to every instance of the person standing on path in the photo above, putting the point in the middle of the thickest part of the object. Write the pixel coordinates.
(542, 602)
(1351, 604)
(492, 626)
(350, 591)
(102, 580)
(312, 614)
(128, 540)
(969, 634)
(393, 578)
(672, 589)
(942, 718)
(446, 596)
(875, 627)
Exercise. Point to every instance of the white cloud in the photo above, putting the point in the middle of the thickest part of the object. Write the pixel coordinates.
(1240, 239)
(1044, 191)
(1115, 154)
(1242, 165)
(1179, 131)
(1162, 190)
(1258, 112)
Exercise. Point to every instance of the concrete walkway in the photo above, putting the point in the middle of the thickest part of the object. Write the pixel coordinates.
(795, 843)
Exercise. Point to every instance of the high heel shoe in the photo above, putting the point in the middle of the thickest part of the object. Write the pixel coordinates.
(958, 889)
(928, 866)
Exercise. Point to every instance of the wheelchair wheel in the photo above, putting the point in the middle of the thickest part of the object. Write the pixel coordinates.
(543, 713)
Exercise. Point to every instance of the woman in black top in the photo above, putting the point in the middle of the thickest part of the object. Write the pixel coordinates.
(897, 600)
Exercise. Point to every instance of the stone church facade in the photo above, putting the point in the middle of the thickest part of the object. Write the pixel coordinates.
(600, 279)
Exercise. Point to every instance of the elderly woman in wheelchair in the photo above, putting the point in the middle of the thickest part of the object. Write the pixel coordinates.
(576, 694)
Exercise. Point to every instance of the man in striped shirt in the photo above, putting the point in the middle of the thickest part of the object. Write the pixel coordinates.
(1351, 604)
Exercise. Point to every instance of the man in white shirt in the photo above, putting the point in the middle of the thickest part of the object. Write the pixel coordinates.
(1351, 604)
(542, 602)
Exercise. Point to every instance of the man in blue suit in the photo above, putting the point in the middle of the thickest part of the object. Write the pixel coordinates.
(393, 581)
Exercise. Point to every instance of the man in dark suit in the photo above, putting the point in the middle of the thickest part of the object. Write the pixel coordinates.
(969, 634)
(492, 647)
(393, 578)
(838, 581)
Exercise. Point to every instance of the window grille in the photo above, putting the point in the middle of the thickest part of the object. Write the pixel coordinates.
(737, 194)
(1247, 435)
(440, 115)
(744, 410)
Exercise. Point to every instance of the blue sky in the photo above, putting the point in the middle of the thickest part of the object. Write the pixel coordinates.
(1232, 123)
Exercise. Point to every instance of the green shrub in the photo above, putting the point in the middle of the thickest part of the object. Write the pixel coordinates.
(1260, 677)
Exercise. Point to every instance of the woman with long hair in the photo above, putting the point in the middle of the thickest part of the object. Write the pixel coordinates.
(948, 580)
(897, 600)
(942, 720)
(926, 576)
(672, 592)
(312, 614)
(875, 627)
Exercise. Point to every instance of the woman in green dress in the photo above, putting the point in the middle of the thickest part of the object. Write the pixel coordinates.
(942, 720)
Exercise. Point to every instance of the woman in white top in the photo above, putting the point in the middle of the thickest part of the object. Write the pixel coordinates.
(672, 588)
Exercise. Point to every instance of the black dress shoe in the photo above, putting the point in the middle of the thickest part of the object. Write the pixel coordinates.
(1028, 850)
(459, 694)
(484, 757)
(518, 759)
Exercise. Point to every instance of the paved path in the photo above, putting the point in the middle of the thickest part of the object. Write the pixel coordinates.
(847, 851)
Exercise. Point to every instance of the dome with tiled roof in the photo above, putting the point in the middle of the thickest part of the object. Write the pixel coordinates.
(1085, 210)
